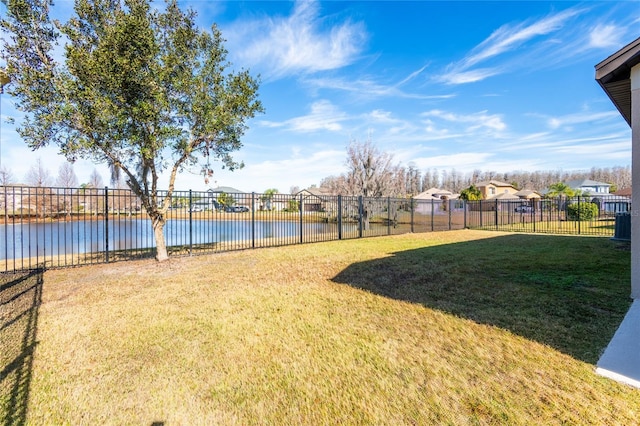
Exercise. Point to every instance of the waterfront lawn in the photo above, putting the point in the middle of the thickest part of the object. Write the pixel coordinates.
(460, 327)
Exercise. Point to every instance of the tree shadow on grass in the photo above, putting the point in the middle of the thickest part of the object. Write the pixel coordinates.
(20, 298)
(569, 293)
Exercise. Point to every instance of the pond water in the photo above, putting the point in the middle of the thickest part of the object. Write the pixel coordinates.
(76, 237)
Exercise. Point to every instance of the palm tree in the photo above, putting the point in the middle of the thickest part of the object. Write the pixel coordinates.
(560, 189)
(267, 197)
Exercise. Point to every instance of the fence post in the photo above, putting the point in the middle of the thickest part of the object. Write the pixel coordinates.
(496, 215)
(579, 214)
(190, 222)
(432, 215)
(360, 216)
(106, 224)
(301, 221)
(6, 231)
(339, 218)
(464, 214)
(388, 215)
(412, 216)
(253, 220)
(449, 207)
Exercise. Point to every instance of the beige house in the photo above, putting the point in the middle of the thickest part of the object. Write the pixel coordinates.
(315, 199)
(619, 77)
(528, 194)
(436, 194)
(492, 189)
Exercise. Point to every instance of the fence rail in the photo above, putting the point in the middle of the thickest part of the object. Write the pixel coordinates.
(59, 227)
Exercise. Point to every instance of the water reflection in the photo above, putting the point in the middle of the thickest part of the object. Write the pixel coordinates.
(26, 240)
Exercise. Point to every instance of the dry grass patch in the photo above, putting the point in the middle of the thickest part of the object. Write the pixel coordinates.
(305, 335)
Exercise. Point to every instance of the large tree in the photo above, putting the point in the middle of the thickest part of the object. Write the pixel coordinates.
(6, 176)
(38, 175)
(143, 90)
(66, 176)
(372, 174)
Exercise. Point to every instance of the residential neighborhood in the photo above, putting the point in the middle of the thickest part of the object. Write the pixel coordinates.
(319, 212)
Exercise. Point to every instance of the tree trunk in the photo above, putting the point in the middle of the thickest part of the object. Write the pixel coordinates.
(158, 231)
(365, 220)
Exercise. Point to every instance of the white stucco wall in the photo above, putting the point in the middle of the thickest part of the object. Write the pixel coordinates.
(635, 160)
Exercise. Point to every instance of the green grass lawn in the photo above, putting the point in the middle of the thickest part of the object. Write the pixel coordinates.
(460, 327)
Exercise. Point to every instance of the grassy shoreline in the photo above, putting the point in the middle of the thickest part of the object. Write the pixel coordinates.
(462, 327)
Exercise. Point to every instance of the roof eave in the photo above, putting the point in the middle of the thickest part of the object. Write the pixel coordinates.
(613, 75)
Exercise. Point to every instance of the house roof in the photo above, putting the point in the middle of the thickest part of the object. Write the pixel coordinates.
(435, 193)
(584, 182)
(614, 76)
(494, 183)
(625, 192)
(226, 189)
(527, 193)
(504, 196)
(317, 191)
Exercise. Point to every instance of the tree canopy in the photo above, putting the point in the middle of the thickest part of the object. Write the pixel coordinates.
(143, 90)
(472, 193)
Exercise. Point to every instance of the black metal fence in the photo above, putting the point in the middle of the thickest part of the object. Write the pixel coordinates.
(584, 215)
(59, 227)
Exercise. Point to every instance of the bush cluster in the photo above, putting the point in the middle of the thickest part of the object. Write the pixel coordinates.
(582, 211)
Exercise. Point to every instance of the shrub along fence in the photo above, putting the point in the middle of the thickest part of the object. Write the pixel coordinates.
(59, 227)
(584, 215)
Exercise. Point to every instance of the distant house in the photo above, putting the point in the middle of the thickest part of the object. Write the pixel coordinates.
(505, 196)
(434, 200)
(436, 194)
(624, 192)
(241, 198)
(491, 189)
(225, 189)
(17, 198)
(598, 192)
(589, 187)
(528, 194)
(315, 199)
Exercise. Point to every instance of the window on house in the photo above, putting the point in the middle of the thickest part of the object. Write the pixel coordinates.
(492, 191)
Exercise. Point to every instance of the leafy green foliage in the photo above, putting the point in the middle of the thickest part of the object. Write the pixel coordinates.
(266, 198)
(143, 90)
(560, 189)
(471, 194)
(226, 200)
(293, 206)
(582, 211)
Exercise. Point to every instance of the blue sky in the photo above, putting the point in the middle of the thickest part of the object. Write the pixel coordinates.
(499, 86)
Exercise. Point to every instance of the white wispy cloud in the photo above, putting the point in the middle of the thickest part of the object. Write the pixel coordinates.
(605, 35)
(508, 38)
(473, 121)
(283, 173)
(458, 161)
(505, 39)
(579, 118)
(365, 87)
(323, 116)
(307, 170)
(299, 43)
